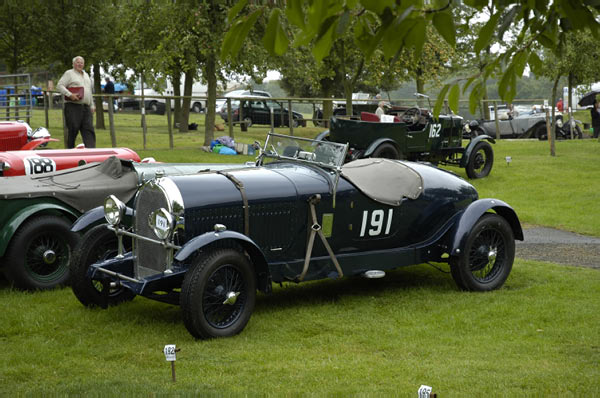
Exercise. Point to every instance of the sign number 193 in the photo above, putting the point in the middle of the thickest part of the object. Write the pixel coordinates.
(374, 224)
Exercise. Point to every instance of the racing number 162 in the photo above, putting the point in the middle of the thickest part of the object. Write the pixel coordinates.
(373, 224)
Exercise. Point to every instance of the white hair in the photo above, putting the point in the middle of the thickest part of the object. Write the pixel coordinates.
(78, 57)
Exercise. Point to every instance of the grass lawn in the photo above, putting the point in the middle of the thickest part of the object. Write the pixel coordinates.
(538, 335)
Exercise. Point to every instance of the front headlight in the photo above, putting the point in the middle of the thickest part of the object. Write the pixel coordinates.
(559, 123)
(40, 132)
(114, 210)
(162, 223)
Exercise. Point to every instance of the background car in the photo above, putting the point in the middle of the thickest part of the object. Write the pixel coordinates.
(208, 241)
(413, 134)
(18, 135)
(529, 124)
(36, 213)
(221, 104)
(259, 112)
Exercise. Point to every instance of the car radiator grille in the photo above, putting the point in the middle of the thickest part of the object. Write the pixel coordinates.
(150, 258)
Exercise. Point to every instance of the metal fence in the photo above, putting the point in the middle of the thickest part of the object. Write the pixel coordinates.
(16, 100)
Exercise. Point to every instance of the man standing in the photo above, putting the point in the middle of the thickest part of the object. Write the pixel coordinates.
(76, 86)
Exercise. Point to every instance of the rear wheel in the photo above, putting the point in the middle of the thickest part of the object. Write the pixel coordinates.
(386, 150)
(153, 106)
(218, 294)
(197, 107)
(541, 133)
(99, 243)
(39, 253)
(488, 255)
(480, 161)
(248, 121)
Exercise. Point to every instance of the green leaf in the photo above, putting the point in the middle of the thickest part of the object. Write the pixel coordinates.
(235, 10)
(343, 23)
(293, 11)
(468, 83)
(486, 32)
(474, 98)
(236, 36)
(519, 62)
(392, 36)
(453, 98)
(275, 39)
(535, 63)
(507, 86)
(323, 44)
(507, 19)
(417, 37)
(440, 101)
(444, 24)
(378, 6)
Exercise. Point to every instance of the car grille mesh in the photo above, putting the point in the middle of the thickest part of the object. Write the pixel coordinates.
(150, 258)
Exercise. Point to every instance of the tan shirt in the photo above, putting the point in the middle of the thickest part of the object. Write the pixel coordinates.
(72, 78)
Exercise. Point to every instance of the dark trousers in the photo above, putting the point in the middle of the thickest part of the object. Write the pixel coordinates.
(596, 131)
(78, 118)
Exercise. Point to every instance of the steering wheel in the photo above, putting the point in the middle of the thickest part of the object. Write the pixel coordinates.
(411, 116)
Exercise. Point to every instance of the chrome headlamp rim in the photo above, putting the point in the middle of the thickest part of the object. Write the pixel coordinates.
(559, 123)
(40, 132)
(114, 210)
(162, 223)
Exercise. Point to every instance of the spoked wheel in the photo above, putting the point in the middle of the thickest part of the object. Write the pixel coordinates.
(488, 255)
(480, 161)
(39, 253)
(98, 244)
(218, 294)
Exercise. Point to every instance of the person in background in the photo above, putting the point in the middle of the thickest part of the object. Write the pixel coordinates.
(595, 111)
(78, 110)
(380, 109)
(109, 88)
(560, 105)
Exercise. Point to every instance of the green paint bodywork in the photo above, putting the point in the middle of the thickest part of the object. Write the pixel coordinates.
(14, 212)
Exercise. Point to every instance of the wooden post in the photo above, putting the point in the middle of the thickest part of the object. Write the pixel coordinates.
(47, 97)
(229, 116)
(111, 121)
(243, 125)
(290, 117)
(168, 106)
(496, 120)
(550, 134)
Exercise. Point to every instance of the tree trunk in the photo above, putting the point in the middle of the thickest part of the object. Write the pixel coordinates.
(348, 95)
(570, 101)
(177, 93)
(185, 106)
(98, 100)
(210, 74)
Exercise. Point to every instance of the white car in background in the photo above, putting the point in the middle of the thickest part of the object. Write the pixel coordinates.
(221, 104)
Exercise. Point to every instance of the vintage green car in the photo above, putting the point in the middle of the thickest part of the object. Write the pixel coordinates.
(36, 213)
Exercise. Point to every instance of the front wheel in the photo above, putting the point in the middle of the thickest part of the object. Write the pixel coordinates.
(197, 108)
(218, 294)
(488, 255)
(541, 133)
(99, 243)
(39, 253)
(480, 161)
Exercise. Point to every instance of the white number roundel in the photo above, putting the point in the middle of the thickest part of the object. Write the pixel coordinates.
(38, 165)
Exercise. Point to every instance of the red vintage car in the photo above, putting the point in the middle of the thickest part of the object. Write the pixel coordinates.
(18, 136)
(15, 163)
(17, 157)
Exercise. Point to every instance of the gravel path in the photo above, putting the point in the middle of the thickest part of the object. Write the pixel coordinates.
(553, 245)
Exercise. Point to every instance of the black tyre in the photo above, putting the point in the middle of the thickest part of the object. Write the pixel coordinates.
(480, 161)
(99, 243)
(541, 133)
(488, 255)
(386, 150)
(197, 107)
(218, 294)
(39, 253)
(248, 121)
(153, 106)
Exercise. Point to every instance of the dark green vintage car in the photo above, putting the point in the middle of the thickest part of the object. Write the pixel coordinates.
(36, 214)
(412, 134)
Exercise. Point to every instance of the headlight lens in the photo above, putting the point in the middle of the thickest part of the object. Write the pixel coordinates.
(114, 210)
(162, 223)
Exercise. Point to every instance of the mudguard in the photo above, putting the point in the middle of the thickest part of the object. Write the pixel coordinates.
(37, 142)
(256, 254)
(322, 135)
(7, 231)
(373, 145)
(472, 213)
(95, 216)
(464, 160)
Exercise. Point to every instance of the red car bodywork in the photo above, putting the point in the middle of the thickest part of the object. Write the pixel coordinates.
(14, 163)
(13, 137)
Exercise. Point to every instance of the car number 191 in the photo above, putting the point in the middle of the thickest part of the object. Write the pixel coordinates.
(373, 224)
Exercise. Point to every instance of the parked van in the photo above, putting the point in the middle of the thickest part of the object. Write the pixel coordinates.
(197, 104)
